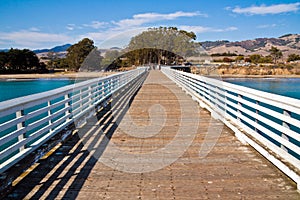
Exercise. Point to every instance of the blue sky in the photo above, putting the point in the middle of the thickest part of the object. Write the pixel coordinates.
(37, 24)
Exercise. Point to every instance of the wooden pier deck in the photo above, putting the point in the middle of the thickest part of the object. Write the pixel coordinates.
(154, 150)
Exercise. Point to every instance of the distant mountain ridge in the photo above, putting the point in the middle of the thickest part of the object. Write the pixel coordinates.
(288, 44)
(54, 49)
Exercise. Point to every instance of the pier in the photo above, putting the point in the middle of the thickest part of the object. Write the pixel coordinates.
(158, 134)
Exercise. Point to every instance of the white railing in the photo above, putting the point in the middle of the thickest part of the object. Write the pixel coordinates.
(28, 122)
(268, 122)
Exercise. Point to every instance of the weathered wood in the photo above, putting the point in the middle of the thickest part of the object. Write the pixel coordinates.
(230, 170)
(234, 106)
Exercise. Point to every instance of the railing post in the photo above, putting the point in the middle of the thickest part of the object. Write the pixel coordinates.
(103, 88)
(238, 111)
(225, 104)
(286, 125)
(49, 114)
(67, 104)
(21, 125)
(256, 120)
(90, 99)
(80, 99)
(90, 95)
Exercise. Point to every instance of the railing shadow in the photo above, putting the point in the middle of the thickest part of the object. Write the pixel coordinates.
(73, 158)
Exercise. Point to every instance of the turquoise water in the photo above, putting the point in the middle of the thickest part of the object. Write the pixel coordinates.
(283, 86)
(10, 89)
(13, 88)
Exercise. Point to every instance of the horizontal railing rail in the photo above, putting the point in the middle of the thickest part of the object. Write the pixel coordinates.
(268, 122)
(28, 122)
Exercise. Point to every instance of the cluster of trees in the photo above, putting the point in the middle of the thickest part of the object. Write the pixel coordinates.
(156, 45)
(82, 55)
(20, 61)
(163, 45)
(273, 57)
(293, 57)
(254, 58)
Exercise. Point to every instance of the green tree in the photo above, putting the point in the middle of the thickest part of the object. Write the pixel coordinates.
(22, 60)
(239, 58)
(18, 61)
(255, 58)
(3, 60)
(92, 61)
(265, 59)
(293, 57)
(275, 53)
(78, 52)
(110, 57)
(52, 56)
(60, 63)
(160, 45)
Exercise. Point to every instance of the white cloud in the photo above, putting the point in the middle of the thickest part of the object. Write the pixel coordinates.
(139, 19)
(112, 37)
(263, 9)
(32, 39)
(267, 26)
(96, 24)
(34, 29)
(70, 27)
(201, 29)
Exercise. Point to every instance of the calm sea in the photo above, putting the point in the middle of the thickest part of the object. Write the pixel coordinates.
(283, 86)
(12, 88)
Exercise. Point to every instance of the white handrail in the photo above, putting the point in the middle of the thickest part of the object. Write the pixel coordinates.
(271, 120)
(28, 122)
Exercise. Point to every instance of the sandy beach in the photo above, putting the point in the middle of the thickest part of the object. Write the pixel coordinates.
(56, 75)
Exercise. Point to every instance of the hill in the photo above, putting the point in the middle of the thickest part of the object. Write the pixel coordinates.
(54, 49)
(288, 44)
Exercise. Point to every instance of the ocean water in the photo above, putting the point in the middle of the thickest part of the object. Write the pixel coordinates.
(13, 88)
(283, 86)
(289, 87)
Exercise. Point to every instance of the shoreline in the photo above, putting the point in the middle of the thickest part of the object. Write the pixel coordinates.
(249, 76)
(72, 75)
(260, 76)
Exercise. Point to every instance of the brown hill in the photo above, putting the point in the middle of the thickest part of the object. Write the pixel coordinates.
(288, 44)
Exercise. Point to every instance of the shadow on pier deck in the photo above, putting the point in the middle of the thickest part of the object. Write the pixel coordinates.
(154, 145)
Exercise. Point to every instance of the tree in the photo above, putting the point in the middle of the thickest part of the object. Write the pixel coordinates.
(265, 59)
(3, 60)
(275, 53)
(293, 57)
(255, 58)
(78, 52)
(52, 56)
(160, 45)
(17, 61)
(92, 61)
(239, 58)
(110, 57)
(22, 60)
